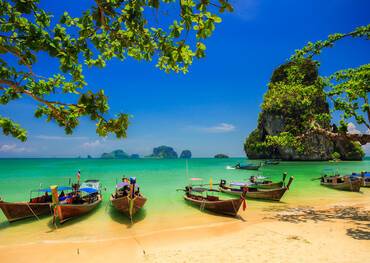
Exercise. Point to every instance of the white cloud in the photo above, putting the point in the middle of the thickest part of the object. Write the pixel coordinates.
(12, 148)
(94, 144)
(219, 128)
(51, 137)
(353, 129)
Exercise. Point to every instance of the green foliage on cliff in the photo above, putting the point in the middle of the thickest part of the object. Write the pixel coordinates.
(109, 29)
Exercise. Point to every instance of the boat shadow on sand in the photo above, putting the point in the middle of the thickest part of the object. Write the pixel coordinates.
(238, 216)
(74, 220)
(123, 219)
(359, 217)
(5, 224)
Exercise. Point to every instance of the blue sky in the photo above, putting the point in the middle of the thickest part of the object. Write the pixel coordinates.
(215, 106)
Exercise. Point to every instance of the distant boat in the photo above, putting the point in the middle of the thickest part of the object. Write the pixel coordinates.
(336, 181)
(83, 200)
(37, 206)
(239, 188)
(127, 197)
(271, 162)
(248, 166)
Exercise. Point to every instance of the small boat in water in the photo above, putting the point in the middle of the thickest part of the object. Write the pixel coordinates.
(271, 162)
(346, 183)
(261, 183)
(127, 198)
(206, 200)
(248, 166)
(85, 198)
(37, 206)
(252, 192)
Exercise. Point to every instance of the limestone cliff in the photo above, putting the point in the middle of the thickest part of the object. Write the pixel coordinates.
(288, 104)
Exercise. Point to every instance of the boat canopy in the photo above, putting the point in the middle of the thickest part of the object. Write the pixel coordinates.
(48, 190)
(89, 190)
(240, 184)
(123, 184)
(365, 174)
(91, 184)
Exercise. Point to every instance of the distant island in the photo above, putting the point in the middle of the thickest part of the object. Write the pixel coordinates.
(221, 156)
(164, 152)
(185, 154)
(119, 154)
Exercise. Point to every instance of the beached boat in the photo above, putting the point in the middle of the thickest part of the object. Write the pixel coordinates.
(248, 166)
(364, 176)
(127, 197)
(84, 199)
(238, 188)
(346, 183)
(37, 206)
(194, 195)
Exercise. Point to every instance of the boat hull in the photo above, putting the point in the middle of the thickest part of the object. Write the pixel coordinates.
(353, 186)
(69, 211)
(270, 185)
(122, 204)
(266, 194)
(252, 168)
(225, 207)
(22, 210)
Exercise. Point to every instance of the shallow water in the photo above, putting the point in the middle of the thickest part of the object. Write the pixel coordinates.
(158, 180)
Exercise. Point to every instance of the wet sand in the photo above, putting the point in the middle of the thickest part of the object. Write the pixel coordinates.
(320, 231)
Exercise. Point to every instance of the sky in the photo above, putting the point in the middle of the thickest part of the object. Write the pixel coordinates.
(215, 106)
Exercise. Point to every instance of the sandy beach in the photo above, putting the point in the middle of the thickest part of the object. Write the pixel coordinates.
(336, 232)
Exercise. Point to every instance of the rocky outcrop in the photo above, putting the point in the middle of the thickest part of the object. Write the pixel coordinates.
(164, 152)
(135, 156)
(185, 154)
(117, 154)
(221, 156)
(287, 105)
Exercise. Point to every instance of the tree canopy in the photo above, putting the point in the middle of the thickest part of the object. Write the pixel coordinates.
(108, 29)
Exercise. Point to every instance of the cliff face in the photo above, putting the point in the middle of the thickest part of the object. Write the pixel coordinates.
(185, 154)
(287, 105)
(164, 152)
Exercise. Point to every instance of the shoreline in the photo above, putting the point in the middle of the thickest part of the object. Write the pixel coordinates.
(301, 227)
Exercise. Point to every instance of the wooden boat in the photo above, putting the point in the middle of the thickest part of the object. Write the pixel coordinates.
(266, 184)
(364, 176)
(37, 206)
(271, 162)
(213, 203)
(346, 183)
(83, 200)
(127, 198)
(237, 188)
(249, 166)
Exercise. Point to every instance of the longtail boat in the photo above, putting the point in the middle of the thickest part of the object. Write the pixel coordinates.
(239, 188)
(346, 183)
(266, 184)
(271, 162)
(195, 195)
(248, 166)
(37, 206)
(364, 176)
(127, 197)
(85, 198)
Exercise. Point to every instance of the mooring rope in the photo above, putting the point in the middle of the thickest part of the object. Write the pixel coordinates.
(32, 211)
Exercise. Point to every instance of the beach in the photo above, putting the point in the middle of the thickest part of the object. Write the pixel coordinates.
(310, 224)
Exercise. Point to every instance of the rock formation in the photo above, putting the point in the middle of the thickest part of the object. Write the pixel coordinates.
(164, 152)
(185, 154)
(287, 106)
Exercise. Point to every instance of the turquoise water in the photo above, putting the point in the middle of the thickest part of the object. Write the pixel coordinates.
(158, 180)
